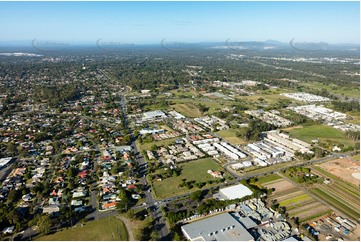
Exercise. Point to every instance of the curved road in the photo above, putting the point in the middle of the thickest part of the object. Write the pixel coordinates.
(127, 225)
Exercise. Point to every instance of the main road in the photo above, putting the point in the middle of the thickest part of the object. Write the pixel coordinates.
(157, 215)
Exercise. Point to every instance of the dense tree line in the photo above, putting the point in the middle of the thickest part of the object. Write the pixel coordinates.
(346, 106)
(56, 95)
(254, 130)
(354, 135)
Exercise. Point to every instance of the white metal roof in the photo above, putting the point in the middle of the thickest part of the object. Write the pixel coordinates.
(234, 192)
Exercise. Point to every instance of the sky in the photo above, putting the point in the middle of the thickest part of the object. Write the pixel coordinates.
(151, 22)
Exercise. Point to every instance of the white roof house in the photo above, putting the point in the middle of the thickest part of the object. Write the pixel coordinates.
(234, 192)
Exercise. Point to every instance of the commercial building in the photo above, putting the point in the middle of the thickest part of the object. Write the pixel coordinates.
(306, 97)
(150, 131)
(223, 227)
(212, 122)
(4, 161)
(154, 115)
(270, 117)
(327, 116)
(176, 115)
(234, 192)
(319, 113)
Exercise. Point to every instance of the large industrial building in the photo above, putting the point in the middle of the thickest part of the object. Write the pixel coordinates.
(234, 192)
(223, 227)
(306, 97)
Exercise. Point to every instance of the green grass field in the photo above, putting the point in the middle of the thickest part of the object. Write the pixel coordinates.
(147, 146)
(192, 171)
(103, 229)
(230, 136)
(188, 94)
(355, 117)
(188, 106)
(356, 157)
(187, 109)
(321, 132)
(346, 91)
(269, 178)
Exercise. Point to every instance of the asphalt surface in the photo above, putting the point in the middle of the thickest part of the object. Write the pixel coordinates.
(157, 215)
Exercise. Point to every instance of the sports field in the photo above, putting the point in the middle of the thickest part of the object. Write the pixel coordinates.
(103, 229)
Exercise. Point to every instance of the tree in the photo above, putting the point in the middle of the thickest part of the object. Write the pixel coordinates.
(196, 196)
(131, 214)
(44, 224)
(154, 235)
(126, 139)
(14, 196)
(11, 149)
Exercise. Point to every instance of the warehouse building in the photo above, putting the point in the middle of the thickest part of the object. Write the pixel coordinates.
(221, 227)
(234, 192)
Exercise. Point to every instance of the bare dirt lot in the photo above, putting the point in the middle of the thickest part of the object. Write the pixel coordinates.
(279, 185)
(347, 169)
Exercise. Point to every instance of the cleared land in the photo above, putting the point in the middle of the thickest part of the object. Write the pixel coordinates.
(347, 169)
(188, 110)
(230, 136)
(279, 185)
(166, 127)
(103, 229)
(191, 171)
(321, 132)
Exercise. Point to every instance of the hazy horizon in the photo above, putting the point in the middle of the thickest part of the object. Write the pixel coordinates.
(149, 23)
